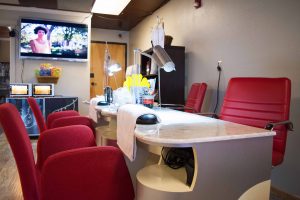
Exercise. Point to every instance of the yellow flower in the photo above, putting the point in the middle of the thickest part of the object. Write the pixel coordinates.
(136, 80)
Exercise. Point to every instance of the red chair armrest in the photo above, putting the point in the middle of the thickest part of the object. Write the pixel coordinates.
(212, 115)
(73, 120)
(64, 138)
(171, 105)
(53, 116)
(178, 107)
(87, 173)
(289, 125)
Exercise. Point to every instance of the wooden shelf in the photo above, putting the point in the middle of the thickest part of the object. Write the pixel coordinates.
(47, 79)
(171, 83)
(150, 75)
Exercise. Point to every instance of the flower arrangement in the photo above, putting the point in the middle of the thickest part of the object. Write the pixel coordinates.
(47, 69)
(136, 80)
(138, 87)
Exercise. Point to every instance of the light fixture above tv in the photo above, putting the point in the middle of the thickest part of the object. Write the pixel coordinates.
(53, 40)
(109, 7)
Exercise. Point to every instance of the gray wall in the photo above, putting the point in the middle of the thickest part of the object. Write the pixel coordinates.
(252, 38)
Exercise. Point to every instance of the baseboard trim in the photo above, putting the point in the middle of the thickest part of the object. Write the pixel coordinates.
(279, 194)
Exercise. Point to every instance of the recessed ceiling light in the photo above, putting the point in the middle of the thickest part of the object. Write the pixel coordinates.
(109, 7)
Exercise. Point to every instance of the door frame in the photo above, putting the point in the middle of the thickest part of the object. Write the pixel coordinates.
(117, 43)
(120, 43)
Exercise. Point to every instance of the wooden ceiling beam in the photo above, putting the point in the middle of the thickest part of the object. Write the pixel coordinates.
(49, 4)
(134, 13)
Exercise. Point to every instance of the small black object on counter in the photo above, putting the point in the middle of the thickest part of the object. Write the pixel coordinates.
(147, 119)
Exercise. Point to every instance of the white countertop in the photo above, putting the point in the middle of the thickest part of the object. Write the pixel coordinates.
(183, 129)
(107, 110)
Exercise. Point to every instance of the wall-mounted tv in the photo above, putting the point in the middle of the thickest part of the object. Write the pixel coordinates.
(53, 40)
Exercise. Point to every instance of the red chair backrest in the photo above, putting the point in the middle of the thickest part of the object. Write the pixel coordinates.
(55, 115)
(104, 175)
(195, 97)
(37, 114)
(257, 101)
(18, 139)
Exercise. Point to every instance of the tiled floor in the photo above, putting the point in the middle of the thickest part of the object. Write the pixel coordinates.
(10, 187)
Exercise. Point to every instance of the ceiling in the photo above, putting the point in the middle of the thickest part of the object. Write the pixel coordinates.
(134, 12)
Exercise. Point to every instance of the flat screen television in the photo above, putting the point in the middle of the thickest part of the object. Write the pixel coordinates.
(53, 40)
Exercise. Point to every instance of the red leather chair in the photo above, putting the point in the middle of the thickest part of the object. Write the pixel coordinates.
(69, 165)
(194, 100)
(58, 119)
(257, 102)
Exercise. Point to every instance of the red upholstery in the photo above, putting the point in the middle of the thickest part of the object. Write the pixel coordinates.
(18, 139)
(56, 115)
(62, 139)
(37, 113)
(194, 100)
(58, 119)
(195, 97)
(257, 101)
(84, 173)
(92, 173)
(73, 120)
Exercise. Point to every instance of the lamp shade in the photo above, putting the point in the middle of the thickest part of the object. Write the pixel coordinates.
(162, 59)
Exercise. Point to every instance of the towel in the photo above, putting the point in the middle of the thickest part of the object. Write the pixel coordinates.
(126, 121)
(92, 110)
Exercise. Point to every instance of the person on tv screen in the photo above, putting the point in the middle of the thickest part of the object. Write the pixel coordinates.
(41, 44)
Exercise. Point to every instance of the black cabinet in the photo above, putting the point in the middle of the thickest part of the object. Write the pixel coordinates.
(172, 83)
(47, 105)
(4, 81)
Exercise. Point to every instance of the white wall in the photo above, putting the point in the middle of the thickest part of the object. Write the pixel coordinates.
(109, 35)
(75, 75)
(252, 38)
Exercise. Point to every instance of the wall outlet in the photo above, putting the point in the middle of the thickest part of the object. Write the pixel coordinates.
(219, 68)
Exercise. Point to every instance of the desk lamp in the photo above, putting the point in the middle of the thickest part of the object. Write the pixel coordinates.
(112, 69)
(161, 58)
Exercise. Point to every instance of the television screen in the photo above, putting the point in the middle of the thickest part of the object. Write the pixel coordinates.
(56, 40)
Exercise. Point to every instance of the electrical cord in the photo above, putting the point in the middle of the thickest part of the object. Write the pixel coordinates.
(176, 158)
(218, 87)
(170, 161)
